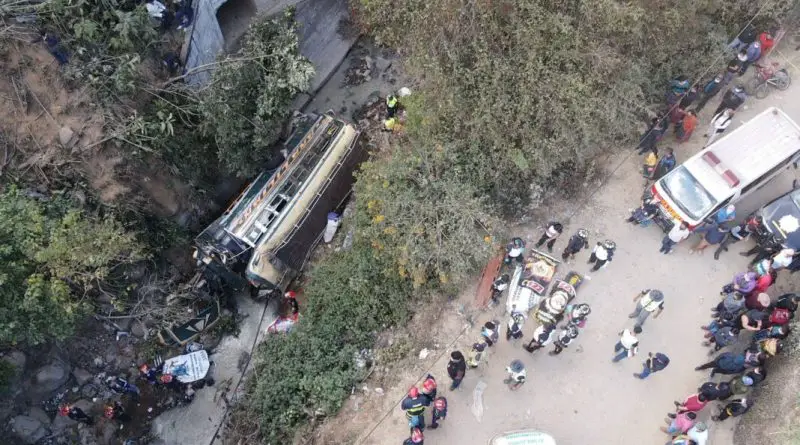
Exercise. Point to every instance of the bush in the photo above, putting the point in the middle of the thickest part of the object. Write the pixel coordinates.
(250, 92)
(48, 252)
(309, 373)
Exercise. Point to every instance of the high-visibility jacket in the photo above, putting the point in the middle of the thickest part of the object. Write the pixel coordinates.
(391, 101)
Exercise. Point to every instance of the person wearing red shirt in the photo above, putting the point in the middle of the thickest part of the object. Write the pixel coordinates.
(694, 403)
(767, 42)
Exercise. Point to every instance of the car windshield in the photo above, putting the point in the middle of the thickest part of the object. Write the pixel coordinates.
(687, 193)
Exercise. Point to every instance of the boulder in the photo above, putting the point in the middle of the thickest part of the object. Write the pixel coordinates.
(28, 429)
(65, 136)
(16, 358)
(82, 376)
(39, 414)
(50, 377)
(61, 423)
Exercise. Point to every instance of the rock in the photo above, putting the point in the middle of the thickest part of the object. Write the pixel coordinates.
(28, 429)
(107, 432)
(85, 405)
(82, 376)
(98, 362)
(51, 377)
(138, 329)
(379, 391)
(90, 391)
(382, 64)
(60, 423)
(16, 358)
(39, 414)
(423, 354)
(65, 136)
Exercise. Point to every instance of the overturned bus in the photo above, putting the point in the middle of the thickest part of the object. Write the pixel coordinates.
(272, 227)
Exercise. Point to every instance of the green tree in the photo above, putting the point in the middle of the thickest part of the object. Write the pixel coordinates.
(250, 92)
(46, 254)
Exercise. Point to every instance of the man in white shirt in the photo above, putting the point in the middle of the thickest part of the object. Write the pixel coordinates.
(718, 125)
(678, 233)
(628, 344)
(155, 8)
(699, 433)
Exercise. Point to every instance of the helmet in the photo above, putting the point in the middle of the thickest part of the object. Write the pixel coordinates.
(518, 243)
(457, 356)
(144, 368)
(572, 330)
(108, 412)
(656, 295)
(609, 245)
(583, 233)
(166, 378)
(440, 403)
(738, 89)
(413, 392)
(290, 294)
(63, 409)
(517, 366)
(518, 318)
(505, 278)
(581, 310)
(429, 385)
(490, 325)
(416, 435)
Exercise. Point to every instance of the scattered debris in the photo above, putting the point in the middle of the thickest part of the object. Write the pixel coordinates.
(423, 354)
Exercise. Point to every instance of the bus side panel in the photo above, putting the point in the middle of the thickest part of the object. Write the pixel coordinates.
(295, 250)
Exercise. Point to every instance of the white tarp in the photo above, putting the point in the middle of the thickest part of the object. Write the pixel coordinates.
(188, 368)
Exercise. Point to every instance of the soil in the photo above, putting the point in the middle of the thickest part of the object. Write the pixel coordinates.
(35, 105)
(580, 393)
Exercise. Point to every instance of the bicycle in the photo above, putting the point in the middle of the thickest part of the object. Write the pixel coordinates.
(766, 77)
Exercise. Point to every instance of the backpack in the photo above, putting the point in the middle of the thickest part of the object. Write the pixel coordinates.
(780, 316)
(660, 361)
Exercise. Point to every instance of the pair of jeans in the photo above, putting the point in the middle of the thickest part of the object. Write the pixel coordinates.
(622, 355)
(550, 242)
(640, 314)
(645, 371)
(456, 383)
(667, 245)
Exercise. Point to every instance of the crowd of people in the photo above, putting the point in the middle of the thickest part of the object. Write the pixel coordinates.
(744, 304)
(685, 100)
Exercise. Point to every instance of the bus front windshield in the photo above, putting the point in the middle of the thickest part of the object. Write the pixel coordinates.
(687, 193)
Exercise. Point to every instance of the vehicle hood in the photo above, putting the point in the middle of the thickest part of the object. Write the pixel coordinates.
(782, 219)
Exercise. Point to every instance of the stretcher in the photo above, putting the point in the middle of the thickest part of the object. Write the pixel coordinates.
(523, 437)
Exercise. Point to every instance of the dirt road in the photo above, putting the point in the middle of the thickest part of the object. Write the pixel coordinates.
(581, 396)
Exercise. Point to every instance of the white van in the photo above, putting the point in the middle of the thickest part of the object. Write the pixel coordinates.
(722, 173)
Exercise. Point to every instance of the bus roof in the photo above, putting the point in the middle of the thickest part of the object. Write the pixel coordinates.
(746, 153)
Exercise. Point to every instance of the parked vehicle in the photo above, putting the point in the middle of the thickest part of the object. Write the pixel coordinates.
(736, 165)
(767, 77)
(271, 228)
(530, 282)
(778, 222)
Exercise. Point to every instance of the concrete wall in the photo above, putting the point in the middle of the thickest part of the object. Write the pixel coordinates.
(318, 30)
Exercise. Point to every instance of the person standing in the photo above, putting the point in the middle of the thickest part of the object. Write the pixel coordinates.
(499, 285)
(514, 325)
(516, 375)
(732, 99)
(732, 303)
(116, 412)
(416, 437)
(726, 214)
(628, 344)
(720, 338)
(654, 363)
(733, 69)
(438, 412)
(734, 408)
(650, 136)
(742, 40)
(649, 165)
(602, 254)
(649, 301)
(678, 233)
(736, 234)
(567, 334)
(489, 333)
(391, 105)
(688, 98)
(456, 369)
(725, 363)
(698, 433)
(741, 385)
(542, 336)
(710, 89)
(515, 251)
(576, 243)
(476, 354)
(683, 131)
(429, 388)
(414, 405)
(680, 424)
(714, 234)
(665, 164)
(551, 233)
(767, 41)
(753, 53)
(76, 414)
(694, 403)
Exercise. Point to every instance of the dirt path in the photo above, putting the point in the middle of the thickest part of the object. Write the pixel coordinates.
(581, 394)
